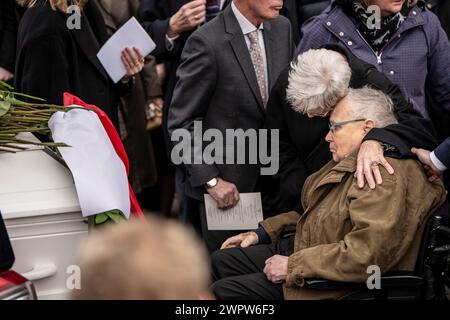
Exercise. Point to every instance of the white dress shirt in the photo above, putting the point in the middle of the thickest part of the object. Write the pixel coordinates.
(437, 163)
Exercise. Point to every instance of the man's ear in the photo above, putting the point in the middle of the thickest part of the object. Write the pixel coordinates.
(369, 124)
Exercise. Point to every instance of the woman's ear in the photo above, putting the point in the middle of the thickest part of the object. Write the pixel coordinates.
(368, 125)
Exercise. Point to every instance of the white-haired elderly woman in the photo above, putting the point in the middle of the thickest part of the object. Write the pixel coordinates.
(344, 229)
(299, 106)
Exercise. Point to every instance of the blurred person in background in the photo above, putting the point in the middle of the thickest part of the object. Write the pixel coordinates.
(290, 11)
(132, 107)
(153, 260)
(9, 22)
(442, 9)
(53, 58)
(170, 23)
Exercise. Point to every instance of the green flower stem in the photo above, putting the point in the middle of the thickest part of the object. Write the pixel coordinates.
(48, 144)
(19, 116)
(21, 95)
(7, 150)
(6, 147)
(26, 119)
(30, 129)
(32, 112)
(5, 85)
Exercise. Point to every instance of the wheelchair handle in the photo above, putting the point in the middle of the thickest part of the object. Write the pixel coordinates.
(442, 250)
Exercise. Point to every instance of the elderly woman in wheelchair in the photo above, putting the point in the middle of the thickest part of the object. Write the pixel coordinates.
(345, 232)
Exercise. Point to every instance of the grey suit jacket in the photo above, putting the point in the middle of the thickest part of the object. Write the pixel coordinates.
(217, 85)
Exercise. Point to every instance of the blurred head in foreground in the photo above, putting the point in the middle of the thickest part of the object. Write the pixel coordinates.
(153, 260)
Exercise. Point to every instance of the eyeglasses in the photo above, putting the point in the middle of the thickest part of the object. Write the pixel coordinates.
(333, 126)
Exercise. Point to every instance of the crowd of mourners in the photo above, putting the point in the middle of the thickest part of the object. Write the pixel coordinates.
(357, 90)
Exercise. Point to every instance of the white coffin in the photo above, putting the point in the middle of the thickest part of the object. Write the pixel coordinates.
(40, 207)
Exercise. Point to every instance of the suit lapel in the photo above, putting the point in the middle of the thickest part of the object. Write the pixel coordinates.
(269, 40)
(242, 54)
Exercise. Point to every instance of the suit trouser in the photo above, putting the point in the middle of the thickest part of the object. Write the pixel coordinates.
(238, 273)
(188, 213)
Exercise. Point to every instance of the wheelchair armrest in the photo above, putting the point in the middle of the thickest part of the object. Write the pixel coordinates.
(389, 280)
(323, 284)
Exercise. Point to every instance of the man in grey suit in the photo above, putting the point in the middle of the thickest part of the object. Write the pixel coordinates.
(227, 69)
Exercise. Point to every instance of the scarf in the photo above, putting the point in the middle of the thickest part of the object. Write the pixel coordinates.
(378, 37)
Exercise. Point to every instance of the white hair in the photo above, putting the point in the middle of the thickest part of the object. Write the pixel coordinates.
(367, 103)
(318, 79)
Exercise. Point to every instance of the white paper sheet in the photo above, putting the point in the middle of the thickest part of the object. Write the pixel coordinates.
(99, 174)
(131, 34)
(244, 216)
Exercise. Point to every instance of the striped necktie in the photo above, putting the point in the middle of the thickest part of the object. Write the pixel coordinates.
(212, 9)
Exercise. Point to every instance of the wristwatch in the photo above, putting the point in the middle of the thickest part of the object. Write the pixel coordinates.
(212, 183)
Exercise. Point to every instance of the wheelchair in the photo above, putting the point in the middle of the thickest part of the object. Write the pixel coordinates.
(429, 281)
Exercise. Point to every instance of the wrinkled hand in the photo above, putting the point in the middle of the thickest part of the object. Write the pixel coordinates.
(369, 157)
(5, 75)
(242, 240)
(432, 172)
(225, 194)
(276, 268)
(187, 18)
(133, 61)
